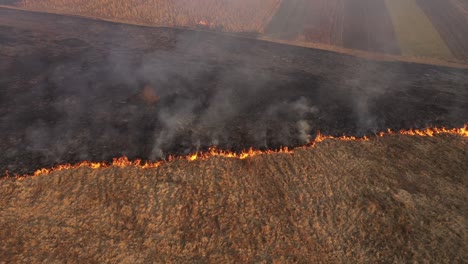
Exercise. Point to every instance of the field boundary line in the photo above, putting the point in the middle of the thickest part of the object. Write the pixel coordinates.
(311, 45)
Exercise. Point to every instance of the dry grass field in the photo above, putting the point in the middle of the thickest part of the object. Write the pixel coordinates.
(231, 16)
(396, 199)
(75, 89)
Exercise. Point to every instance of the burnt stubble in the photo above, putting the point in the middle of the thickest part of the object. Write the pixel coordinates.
(74, 89)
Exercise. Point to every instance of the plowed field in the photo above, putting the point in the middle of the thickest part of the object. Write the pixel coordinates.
(451, 22)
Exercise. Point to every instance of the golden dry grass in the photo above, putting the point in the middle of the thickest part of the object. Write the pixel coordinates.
(232, 16)
(394, 199)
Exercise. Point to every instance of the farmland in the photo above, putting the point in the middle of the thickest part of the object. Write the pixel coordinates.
(126, 143)
(362, 24)
(451, 23)
(194, 88)
(232, 16)
(417, 36)
(320, 21)
(367, 26)
(415, 29)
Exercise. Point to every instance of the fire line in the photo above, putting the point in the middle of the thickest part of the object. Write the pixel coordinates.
(214, 152)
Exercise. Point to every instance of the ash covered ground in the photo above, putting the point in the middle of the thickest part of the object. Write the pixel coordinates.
(75, 89)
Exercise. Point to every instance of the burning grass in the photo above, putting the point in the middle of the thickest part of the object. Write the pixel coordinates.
(384, 199)
(214, 152)
(387, 198)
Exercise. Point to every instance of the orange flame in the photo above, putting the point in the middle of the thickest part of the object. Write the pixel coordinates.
(204, 23)
(214, 152)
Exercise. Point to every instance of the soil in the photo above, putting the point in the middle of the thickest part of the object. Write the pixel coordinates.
(76, 89)
(368, 26)
(450, 21)
(359, 24)
(396, 199)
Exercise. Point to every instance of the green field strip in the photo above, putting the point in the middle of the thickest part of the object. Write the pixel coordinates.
(415, 32)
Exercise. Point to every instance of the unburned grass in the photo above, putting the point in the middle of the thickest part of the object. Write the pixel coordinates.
(390, 199)
(232, 16)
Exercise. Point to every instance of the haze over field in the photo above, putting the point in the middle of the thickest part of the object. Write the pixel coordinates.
(416, 28)
(89, 90)
(177, 142)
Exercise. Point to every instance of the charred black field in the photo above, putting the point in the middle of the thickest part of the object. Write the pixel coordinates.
(76, 89)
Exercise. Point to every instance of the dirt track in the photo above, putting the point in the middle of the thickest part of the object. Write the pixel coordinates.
(78, 89)
(393, 199)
